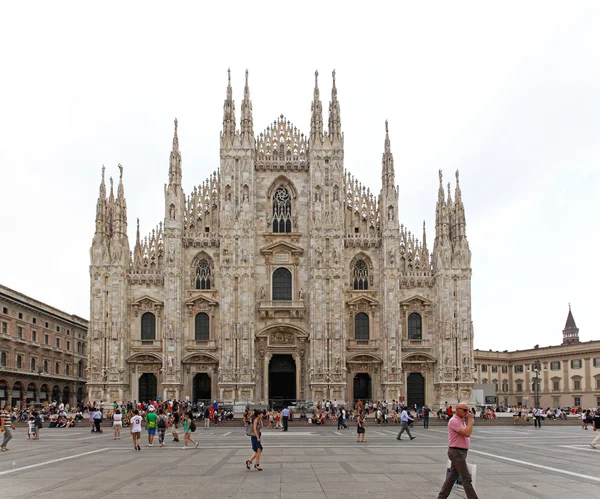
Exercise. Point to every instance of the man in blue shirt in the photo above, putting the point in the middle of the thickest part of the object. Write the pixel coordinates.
(285, 416)
(405, 419)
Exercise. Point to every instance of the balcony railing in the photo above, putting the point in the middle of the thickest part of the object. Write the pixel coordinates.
(288, 308)
(362, 344)
(416, 344)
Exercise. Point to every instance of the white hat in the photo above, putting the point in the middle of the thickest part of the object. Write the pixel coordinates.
(151, 408)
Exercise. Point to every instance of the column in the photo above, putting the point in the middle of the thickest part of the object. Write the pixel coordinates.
(587, 374)
(266, 380)
(298, 377)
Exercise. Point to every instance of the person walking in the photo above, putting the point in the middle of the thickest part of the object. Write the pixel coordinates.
(285, 417)
(151, 424)
(188, 427)
(596, 427)
(405, 420)
(257, 447)
(537, 414)
(97, 420)
(426, 411)
(175, 422)
(117, 422)
(161, 426)
(206, 418)
(360, 427)
(342, 419)
(460, 428)
(6, 428)
(136, 429)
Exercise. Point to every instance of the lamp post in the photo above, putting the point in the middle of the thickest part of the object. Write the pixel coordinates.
(537, 370)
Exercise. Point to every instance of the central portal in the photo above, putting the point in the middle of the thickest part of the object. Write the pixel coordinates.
(282, 381)
(202, 391)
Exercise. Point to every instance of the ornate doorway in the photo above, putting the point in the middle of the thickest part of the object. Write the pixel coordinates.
(202, 388)
(362, 387)
(147, 387)
(282, 381)
(415, 390)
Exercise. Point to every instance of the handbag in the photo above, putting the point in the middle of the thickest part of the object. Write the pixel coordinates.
(250, 430)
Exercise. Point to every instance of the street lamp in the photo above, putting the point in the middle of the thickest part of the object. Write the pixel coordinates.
(537, 371)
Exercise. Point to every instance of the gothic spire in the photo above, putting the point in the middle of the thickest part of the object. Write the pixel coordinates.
(175, 160)
(246, 124)
(316, 110)
(229, 110)
(101, 206)
(571, 331)
(335, 124)
(121, 205)
(424, 237)
(459, 210)
(387, 162)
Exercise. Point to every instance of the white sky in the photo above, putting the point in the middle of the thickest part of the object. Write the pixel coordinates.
(506, 92)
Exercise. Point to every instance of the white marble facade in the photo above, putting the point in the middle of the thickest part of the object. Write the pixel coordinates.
(280, 276)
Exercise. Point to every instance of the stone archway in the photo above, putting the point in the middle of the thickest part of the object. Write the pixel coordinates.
(364, 374)
(277, 340)
(197, 368)
(140, 365)
(418, 371)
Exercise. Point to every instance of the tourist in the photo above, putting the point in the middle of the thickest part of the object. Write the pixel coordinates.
(426, 411)
(360, 427)
(285, 417)
(161, 426)
(97, 417)
(459, 432)
(136, 429)
(188, 427)
(6, 428)
(151, 424)
(538, 414)
(596, 427)
(37, 424)
(117, 422)
(257, 447)
(175, 419)
(206, 418)
(405, 420)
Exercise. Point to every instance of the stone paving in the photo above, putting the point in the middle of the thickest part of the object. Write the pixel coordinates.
(306, 462)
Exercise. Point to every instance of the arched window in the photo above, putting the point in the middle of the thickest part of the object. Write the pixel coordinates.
(202, 329)
(414, 327)
(45, 366)
(19, 361)
(361, 327)
(148, 326)
(32, 364)
(80, 369)
(203, 274)
(282, 285)
(361, 275)
(282, 211)
(3, 359)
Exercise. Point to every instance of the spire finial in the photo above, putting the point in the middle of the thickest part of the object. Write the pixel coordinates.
(333, 74)
(120, 172)
(175, 122)
(569, 306)
(246, 77)
(111, 186)
(229, 76)
(103, 170)
(386, 126)
(441, 177)
(316, 77)
(457, 175)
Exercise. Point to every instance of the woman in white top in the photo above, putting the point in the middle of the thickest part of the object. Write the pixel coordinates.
(117, 424)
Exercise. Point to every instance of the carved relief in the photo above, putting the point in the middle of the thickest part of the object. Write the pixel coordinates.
(281, 338)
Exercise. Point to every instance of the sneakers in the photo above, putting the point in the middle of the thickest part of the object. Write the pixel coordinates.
(139, 448)
(149, 445)
(593, 446)
(412, 438)
(185, 448)
(398, 438)
(196, 446)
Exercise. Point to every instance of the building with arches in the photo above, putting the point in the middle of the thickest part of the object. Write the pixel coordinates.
(43, 352)
(280, 277)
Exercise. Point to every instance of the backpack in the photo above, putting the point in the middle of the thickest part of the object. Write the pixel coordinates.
(193, 425)
(162, 422)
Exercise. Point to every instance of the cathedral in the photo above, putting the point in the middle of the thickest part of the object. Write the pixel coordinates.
(280, 278)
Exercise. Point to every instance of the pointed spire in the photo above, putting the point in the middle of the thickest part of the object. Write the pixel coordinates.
(571, 331)
(457, 192)
(387, 162)
(137, 237)
(246, 124)
(335, 124)
(424, 237)
(101, 206)
(175, 160)
(229, 110)
(316, 110)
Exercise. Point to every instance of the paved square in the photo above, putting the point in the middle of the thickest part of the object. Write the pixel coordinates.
(306, 462)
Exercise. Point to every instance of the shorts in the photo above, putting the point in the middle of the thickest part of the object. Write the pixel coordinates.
(256, 445)
(176, 426)
(117, 424)
(151, 431)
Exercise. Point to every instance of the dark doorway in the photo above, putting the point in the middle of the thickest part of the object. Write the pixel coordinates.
(66, 395)
(415, 390)
(202, 388)
(282, 381)
(147, 387)
(362, 387)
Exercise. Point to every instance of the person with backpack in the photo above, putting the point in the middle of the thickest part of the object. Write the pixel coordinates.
(161, 427)
(189, 425)
(151, 424)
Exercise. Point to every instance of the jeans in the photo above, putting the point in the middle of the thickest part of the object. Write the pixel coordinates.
(426, 422)
(458, 458)
(538, 421)
(7, 436)
(285, 423)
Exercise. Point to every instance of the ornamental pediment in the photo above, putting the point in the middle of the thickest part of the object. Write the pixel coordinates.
(147, 303)
(144, 358)
(282, 248)
(418, 300)
(362, 302)
(200, 359)
(412, 358)
(199, 301)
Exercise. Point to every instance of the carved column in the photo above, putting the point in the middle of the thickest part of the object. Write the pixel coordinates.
(266, 377)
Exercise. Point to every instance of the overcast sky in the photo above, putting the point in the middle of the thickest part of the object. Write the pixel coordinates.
(508, 94)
